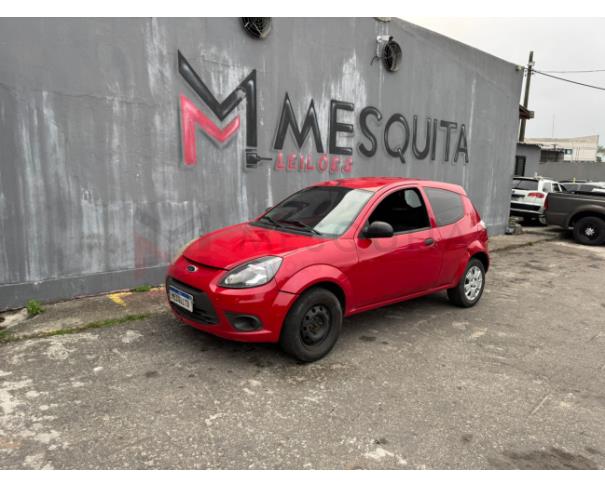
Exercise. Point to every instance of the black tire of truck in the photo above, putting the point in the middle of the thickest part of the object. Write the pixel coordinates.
(589, 230)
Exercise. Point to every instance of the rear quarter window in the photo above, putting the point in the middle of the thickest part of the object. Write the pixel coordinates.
(447, 205)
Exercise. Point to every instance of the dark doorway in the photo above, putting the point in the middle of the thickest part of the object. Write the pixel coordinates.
(520, 165)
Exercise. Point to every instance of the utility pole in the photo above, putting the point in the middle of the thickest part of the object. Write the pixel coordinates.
(530, 65)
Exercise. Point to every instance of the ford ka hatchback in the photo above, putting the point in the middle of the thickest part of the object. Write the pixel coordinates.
(329, 251)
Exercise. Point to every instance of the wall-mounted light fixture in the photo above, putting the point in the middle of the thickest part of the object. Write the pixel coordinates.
(257, 27)
(389, 51)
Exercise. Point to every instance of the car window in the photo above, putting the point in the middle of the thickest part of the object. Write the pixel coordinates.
(586, 187)
(557, 188)
(447, 205)
(404, 210)
(328, 210)
(547, 187)
(525, 184)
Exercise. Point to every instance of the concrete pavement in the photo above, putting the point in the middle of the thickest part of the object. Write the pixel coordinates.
(516, 382)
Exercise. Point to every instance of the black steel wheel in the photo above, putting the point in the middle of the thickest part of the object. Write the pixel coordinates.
(312, 326)
(315, 325)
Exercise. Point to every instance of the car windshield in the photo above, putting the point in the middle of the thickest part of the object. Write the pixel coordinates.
(570, 187)
(525, 184)
(325, 210)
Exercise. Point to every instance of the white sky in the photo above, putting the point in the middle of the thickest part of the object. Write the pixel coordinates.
(558, 44)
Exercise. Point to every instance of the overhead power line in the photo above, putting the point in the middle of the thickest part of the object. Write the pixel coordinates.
(602, 88)
(578, 71)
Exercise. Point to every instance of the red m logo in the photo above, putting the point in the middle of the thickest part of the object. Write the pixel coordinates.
(192, 117)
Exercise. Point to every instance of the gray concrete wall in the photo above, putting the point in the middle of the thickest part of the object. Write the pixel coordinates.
(94, 194)
(591, 171)
(532, 158)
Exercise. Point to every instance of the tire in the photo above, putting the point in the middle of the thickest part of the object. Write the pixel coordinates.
(589, 230)
(542, 220)
(469, 296)
(312, 325)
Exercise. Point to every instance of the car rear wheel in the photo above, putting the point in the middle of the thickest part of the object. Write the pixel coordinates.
(312, 325)
(470, 288)
(542, 220)
(589, 230)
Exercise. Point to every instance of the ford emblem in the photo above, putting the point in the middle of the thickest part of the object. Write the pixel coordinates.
(191, 268)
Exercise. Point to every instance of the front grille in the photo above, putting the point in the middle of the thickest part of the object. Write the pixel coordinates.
(524, 206)
(203, 311)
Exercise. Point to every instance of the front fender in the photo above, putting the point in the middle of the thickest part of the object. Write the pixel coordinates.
(317, 274)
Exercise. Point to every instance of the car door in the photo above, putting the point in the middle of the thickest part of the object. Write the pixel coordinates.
(452, 229)
(404, 264)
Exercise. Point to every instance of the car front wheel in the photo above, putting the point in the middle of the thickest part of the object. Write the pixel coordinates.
(470, 288)
(312, 325)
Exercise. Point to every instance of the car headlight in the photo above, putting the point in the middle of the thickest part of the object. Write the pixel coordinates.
(253, 273)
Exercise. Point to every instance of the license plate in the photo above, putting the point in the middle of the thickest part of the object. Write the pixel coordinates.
(180, 298)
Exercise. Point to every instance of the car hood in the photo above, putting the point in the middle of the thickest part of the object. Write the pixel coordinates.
(231, 246)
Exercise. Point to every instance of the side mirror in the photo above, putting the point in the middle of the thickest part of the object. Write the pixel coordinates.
(379, 229)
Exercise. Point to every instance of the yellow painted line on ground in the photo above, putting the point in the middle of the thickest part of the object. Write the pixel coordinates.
(117, 297)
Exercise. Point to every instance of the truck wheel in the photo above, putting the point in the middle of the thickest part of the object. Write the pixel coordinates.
(589, 230)
(470, 288)
(312, 326)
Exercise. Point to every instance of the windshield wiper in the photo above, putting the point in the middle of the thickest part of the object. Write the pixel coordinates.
(270, 220)
(301, 225)
(286, 223)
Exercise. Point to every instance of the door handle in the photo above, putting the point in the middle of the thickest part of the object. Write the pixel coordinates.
(429, 241)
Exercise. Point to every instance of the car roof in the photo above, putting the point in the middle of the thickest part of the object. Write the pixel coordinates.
(539, 178)
(374, 183)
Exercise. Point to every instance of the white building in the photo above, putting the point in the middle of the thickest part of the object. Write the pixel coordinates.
(574, 148)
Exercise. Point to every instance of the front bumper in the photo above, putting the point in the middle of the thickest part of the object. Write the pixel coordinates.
(215, 307)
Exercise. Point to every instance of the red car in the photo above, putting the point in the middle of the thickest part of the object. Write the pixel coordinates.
(328, 251)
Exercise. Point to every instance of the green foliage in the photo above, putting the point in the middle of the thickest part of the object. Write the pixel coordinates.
(34, 307)
(142, 289)
(6, 337)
